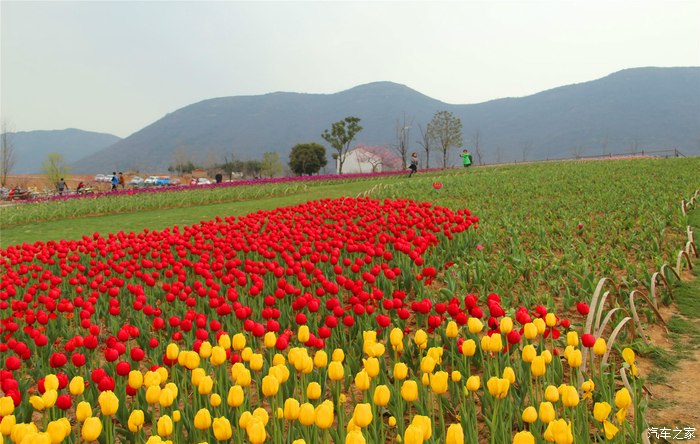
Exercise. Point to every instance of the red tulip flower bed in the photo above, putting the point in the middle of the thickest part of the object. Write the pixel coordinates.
(102, 306)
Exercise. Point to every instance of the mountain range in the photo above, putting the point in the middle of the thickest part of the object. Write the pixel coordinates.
(633, 110)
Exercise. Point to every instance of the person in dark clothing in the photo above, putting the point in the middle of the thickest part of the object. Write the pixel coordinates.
(414, 164)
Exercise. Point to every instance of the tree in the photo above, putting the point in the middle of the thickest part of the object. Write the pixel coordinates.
(426, 143)
(182, 162)
(271, 165)
(446, 130)
(401, 147)
(476, 140)
(7, 154)
(341, 136)
(307, 158)
(55, 168)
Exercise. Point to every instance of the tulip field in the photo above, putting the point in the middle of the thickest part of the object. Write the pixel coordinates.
(492, 305)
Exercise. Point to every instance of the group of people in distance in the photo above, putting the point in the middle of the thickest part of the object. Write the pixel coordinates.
(116, 181)
(465, 155)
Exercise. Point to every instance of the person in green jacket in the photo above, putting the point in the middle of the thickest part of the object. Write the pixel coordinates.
(466, 158)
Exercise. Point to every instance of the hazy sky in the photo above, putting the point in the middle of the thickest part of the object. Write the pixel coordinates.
(118, 66)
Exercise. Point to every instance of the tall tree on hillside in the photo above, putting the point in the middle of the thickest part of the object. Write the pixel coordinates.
(476, 141)
(341, 136)
(271, 165)
(425, 142)
(307, 158)
(55, 168)
(446, 130)
(7, 154)
(401, 147)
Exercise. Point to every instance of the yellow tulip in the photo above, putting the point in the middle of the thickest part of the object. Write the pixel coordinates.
(371, 366)
(167, 397)
(279, 359)
(362, 414)
(575, 358)
(529, 415)
(261, 414)
(421, 339)
(529, 353)
(362, 380)
(550, 319)
(473, 383)
(628, 356)
(37, 403)
(7, 424)
(547, 356)
(468, 348)
(338, 355)
(409, 390)
(396, 339)
(165, 426)
(205, 350)
(303, 334)
(151, 378)
(321, 359)
(49, 397)
(135, 380)
(57, 430)
(218, 356)
(235, 396)
(621, 415)
(438, 382)
(538, 367)
(546, 412)
(600, 347)
(559, 431)
(270, 386)
(172, 351)
(176, 416)
(244, 378)
(202, 419)
(486, 343)
(354, 437)
(255, 430)
(91, 430)
(551, 394)
(135, 422)
(498, 387)
(109, 403)
(376, 350)
(413, 435)
(224, 341)
(452, 330)
(427, 364)
(291, 409)
(524, 437)
(381, 396)
(7, 405)
(496, 343)
(369, 337)
(270, 339)
(455, 434)
(153, 394)
(191, 360)
(206, 384)
(610, 430)
(475, 325)
(256, 362)
(77, 386)
(530, 331)
(307, 414)
(324, 415)
(623, 398)
(425, 424)
(281, 372)
(570, 396)
(572, 338)
(83, 411)
(601, 410)
(456, 376)
(313, 390)
(540, 325)
(222, 428)
(400, 371)
(509, 374)
(215, 400)
(336, 371)
(238, 341)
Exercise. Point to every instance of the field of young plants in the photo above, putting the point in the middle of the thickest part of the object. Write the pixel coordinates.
(452, 307)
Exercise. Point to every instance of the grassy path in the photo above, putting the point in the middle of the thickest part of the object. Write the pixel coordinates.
(159, 219)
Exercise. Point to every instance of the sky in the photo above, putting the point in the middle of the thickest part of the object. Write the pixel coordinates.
(116, 67)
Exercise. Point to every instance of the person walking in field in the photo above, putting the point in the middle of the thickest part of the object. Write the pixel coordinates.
(414, 164)
(115, 180)
(466, 158)
(121, 179)
(62, 186)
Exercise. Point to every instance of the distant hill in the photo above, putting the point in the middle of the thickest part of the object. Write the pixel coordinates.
(630, 110)
(32, 147)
